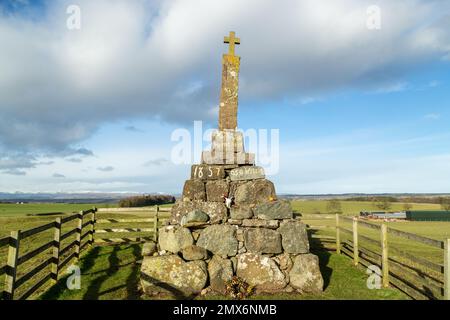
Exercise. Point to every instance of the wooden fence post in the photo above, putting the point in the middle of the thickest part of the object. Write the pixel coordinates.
(56, 248)
(384, 256)
(447, 269)
(355, 241)
(338, 236)
(91, 236)
(11, 272)
(155, 224)
(78, 239)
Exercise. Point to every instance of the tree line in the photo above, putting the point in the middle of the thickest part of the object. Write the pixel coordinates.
(146, 200)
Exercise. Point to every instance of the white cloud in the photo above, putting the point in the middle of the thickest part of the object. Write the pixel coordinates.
(162, 59)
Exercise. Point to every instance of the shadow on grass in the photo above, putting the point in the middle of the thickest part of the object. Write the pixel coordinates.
(133, 278)
(95, 279)
(324, 255)
(93, 291)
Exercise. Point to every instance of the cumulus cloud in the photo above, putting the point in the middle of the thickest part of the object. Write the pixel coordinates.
(161, 59)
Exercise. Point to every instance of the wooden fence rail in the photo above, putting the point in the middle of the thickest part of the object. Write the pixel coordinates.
(16, 259)
(62, 255)
(107, 233)
(416, 276)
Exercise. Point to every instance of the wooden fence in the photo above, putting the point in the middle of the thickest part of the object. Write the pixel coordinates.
(416, 276)
(110, 230)
(57, 259)
(49, 259)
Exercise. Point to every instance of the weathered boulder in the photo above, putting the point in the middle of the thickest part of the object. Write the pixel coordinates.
(194, 216)
(194, 252)
(262, 240)
(280, 209)
(247, 173)
(194, 189)
(264, 190)
(220, 271)
(241, 212)
(242, 192)
(305, 274)
(252, 192)
(149, 248)
(171, 275)
(261, 272)
(294, 236)
(284, 261)
(216, 211)
(180, 209)
(219, 239)
(174, 239)
(215, 190)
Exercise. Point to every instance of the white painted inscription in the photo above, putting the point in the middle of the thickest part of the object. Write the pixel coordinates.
(247, 173)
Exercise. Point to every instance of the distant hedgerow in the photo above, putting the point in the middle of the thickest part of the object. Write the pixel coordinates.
(146, 200)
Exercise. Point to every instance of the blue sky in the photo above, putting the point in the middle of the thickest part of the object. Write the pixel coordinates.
(358, 110)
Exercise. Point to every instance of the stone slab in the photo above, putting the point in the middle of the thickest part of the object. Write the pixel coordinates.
(207, 172)
(247, 173)
(194, 189)
(171, 275)
(262, 240)
(259, 223)
(280, 209)
(220, 158)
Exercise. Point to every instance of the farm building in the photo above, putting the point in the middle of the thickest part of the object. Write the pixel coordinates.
(428, 215)
(383, 215)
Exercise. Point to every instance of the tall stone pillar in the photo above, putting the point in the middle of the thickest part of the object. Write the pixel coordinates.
(229, 93)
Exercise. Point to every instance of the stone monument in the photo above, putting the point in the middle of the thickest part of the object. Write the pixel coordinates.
(229, 221)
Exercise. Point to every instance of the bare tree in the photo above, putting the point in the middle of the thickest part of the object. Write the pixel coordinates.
(383, 204)
(334, 206)
(407, 206)
(445, 203)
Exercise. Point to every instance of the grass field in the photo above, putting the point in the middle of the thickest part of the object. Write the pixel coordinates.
(113, 273)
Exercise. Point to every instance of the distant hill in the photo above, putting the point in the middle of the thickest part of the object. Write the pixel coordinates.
(67, 197)
(98, 197)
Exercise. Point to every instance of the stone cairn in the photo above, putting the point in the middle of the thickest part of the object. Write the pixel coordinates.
(229, 221)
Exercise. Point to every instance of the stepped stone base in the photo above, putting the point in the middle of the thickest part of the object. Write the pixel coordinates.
(206, 243)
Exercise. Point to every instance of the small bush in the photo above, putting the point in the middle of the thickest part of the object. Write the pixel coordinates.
(146, 200)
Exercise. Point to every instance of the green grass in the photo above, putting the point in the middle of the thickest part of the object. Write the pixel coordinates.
(107, 273)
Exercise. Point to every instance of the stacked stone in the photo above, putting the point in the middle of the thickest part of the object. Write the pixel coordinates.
(206, 243)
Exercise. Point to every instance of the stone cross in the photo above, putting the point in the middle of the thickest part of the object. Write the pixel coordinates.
(229, 92)
(232, 41)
